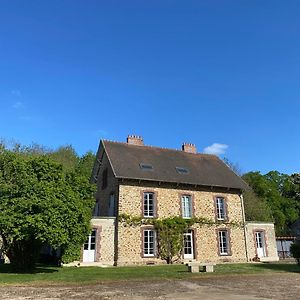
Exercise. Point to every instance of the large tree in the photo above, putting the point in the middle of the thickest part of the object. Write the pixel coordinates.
(279, 192)
(41, 203)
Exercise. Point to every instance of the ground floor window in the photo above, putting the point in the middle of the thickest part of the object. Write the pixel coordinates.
(223, 242)
(149, 242)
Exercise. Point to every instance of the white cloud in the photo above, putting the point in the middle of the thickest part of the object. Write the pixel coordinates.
(16, 93)
(19, 105)
(215, 149)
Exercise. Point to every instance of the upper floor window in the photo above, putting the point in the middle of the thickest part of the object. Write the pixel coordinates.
(220, 208)
(111, 205)
(223, 240)
(148, 205)
(186, 206)
(96, 210)
(149, 242)
(104, 179)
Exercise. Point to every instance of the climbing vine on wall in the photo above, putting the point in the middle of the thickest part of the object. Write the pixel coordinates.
(170, 232)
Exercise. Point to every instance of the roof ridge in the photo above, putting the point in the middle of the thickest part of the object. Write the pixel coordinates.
(163, 148)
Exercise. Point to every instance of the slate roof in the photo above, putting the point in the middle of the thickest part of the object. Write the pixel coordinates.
(203, 169)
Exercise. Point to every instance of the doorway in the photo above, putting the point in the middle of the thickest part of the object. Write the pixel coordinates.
(89, 248)
(260, 243)
(188, 249)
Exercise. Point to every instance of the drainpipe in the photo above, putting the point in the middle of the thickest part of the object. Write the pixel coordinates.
(244, 224)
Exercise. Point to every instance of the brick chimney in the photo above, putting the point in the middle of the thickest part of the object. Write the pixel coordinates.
(135, 140)
(190, 148)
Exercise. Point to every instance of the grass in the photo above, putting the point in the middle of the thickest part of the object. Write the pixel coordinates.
(88, 275)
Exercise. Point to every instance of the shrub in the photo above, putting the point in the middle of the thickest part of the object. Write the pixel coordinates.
(295, 250)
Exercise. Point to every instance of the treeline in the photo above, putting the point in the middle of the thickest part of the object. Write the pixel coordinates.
(64, 155)
(273, 197)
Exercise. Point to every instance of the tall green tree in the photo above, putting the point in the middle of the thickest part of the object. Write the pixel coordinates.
(40, 203)
(85, 164)
(66, 156)
(278, 191)
(256, 208)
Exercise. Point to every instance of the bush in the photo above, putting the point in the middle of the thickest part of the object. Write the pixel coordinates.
(295, 250)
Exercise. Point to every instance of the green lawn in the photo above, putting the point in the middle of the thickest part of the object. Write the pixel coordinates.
(88, 275)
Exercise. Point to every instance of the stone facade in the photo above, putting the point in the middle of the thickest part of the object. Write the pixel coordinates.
(269, 241)
(105, 241)
(167, 205)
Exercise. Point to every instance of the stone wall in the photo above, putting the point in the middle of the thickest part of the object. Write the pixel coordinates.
(168, 204)
(270, 241)
(105, 244)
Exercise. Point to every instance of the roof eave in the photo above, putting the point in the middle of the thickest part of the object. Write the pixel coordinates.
(180, 183)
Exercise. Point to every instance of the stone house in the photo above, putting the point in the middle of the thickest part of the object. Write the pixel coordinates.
(151, 182)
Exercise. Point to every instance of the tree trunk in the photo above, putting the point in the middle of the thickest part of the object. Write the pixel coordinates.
(23, 254)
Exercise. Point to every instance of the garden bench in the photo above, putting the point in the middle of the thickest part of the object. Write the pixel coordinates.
(194, 266)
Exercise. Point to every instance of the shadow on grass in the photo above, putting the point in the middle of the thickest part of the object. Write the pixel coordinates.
(6, 268)
(286, 267)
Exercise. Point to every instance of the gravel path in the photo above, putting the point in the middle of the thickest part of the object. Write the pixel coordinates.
(275, 286)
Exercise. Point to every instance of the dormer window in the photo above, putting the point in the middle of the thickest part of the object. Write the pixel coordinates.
(146, 167)
(182, 170)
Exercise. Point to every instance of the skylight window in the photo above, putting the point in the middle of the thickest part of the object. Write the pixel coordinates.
(146, 167)
(182, 170)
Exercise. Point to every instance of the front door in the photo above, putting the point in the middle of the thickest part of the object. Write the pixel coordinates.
(188, 250)
(89, 247)
(260, 244)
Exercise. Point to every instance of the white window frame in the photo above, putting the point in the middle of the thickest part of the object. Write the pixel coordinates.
(90, 243)
(186, 206)
(221, 208)
(260, 243)
(148, 202)
(223, 240)
(149, 242)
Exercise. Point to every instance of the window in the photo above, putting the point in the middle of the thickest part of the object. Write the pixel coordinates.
(111, 207)
(146, 167)
(186, 206)
(149, 242)
(223, 242)
(181, 170)
(148, 205)
(220, 208)
(104, 179)
(96, 210)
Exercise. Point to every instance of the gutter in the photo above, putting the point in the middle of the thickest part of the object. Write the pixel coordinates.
(244, 223)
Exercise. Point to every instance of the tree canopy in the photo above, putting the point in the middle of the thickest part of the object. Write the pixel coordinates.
(274, 196)
(41, 201)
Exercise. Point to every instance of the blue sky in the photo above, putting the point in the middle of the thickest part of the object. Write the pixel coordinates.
(221, 74)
